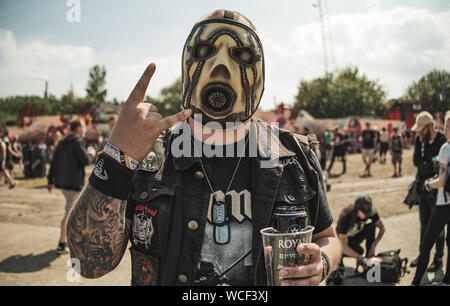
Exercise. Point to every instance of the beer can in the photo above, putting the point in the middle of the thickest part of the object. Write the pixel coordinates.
(290, 219)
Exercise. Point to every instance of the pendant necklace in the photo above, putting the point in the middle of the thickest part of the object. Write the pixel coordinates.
(219, 216)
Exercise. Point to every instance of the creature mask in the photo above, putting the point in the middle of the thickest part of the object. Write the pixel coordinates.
(222, 71)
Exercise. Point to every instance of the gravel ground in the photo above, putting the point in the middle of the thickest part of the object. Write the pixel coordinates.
(30, 217)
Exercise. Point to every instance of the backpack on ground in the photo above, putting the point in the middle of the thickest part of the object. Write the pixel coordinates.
(393, 268)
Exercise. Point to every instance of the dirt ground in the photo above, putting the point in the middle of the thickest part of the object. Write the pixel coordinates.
(30, 217)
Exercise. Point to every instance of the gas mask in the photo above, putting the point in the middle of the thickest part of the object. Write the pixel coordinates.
(222, 71)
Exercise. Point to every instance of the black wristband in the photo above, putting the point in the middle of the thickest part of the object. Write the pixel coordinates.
(326, 266)
(111, 178)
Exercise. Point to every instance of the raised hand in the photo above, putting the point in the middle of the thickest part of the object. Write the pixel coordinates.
(139, 123)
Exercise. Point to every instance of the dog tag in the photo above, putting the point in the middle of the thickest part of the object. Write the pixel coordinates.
(219, 213)
(222, 234)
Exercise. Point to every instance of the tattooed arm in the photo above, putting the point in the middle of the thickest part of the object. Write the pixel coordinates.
(97, 232)
(440, 181)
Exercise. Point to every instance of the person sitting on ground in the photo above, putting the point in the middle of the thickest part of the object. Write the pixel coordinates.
(353, 228)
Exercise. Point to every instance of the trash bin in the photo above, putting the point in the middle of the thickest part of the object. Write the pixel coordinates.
(27, 162)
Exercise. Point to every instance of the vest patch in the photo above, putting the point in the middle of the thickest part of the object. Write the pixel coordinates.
(143, 229)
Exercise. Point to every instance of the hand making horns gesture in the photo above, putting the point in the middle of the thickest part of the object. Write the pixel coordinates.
(139, 123)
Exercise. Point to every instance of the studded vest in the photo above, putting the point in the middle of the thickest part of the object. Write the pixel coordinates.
(169, 202)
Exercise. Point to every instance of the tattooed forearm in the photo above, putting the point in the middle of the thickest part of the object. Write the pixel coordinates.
(97, 232)
(440, 181)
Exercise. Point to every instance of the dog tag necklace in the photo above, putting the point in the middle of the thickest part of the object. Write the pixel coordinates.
(219, 216)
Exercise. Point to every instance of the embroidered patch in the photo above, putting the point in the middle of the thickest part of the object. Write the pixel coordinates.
(145, 273)
(99, 171)
(145, 268)
(150, 163)
(143, 229)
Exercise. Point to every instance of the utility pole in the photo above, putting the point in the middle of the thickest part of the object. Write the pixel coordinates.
(46, 90)
(319, 6)
(46, 86)
(327, 42)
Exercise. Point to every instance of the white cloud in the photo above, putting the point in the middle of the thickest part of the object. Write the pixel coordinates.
(396, 47)
(23, 63)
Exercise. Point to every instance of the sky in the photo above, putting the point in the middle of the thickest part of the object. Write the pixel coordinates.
(392, 41)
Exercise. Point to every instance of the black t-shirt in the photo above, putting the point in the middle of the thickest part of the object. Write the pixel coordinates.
(345, 226)
(396, 143)
(216, 257)
(340, 149)
(368, 137)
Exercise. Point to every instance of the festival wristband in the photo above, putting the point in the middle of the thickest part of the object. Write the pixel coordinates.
(326, 266)
(111, 178)
(120, 156)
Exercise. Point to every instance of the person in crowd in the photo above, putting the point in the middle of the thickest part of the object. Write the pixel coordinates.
(3, 164)
(426, 149)
(407, 137)
(15, 150)
(327, 138)
(441, 213)
(339, 144)
(111, 123)
(384, 145)
(369, 142)
(67, 172)
(396, 146)
(8, 160)
(322, 149)
(358, 223)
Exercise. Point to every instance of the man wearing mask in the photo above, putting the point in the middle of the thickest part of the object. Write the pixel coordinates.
(195, 219)
(426, 149)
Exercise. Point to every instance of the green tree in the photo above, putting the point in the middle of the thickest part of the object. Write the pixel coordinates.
(96, 84)
(341, 94)
(169, 102)
(432, 91)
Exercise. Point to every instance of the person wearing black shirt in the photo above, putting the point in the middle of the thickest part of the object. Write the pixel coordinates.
(183, 222)
(67, 172)
(427, 145)
(396, 152)
(357, 223)
(369, 142)
(339, 149)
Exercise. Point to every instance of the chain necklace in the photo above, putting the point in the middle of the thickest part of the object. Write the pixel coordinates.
(219, 216)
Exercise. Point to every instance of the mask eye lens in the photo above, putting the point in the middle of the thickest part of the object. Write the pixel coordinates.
(244, 55)
(202, 51)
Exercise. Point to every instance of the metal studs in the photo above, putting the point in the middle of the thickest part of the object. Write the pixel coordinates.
(143, 195)
(182, 278)
(199, 175)
(193, 225)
